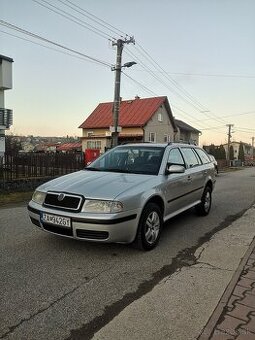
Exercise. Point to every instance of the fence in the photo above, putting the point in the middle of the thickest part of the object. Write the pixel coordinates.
(29, 166)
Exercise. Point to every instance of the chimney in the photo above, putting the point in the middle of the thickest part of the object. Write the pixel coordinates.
(137, 97)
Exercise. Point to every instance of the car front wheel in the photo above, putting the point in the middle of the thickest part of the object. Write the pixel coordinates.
(204, 207)
(149, 228)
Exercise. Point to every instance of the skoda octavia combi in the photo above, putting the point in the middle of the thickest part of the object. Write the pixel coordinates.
(126, 194)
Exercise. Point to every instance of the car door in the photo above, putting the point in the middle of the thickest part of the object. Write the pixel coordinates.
(177, 186)
(195, 172)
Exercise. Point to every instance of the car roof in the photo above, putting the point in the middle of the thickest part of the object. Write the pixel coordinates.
(159, 145)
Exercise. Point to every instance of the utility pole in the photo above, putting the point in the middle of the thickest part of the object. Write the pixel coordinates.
(117, 68)
(229, 137)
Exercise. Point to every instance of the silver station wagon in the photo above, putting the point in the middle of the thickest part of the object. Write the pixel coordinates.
(126, 194)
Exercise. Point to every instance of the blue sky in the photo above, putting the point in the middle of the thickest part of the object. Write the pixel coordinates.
(204, 47)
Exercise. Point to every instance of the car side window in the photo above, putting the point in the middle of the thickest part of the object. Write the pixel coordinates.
(191, 159)
(175, 157)
(203, 156)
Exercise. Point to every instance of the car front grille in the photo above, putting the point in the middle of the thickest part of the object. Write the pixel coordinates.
(92, 234)
(63, 201)
(58, 230)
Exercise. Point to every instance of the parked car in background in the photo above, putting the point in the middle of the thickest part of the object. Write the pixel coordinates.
(126, 194)
(215, 163)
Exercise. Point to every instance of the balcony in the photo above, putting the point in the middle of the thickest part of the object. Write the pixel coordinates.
(6, 118)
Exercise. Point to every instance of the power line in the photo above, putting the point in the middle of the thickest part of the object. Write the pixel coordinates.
(191, 100)
(163, 72)
(76, 20)
(36, 36)
(195, 103)
(211, 75)
(153, 74)
(92, 17)
(51, 48)
(140, 84)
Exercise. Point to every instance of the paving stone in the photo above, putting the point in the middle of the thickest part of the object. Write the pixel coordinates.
(232, 301)
(229, 325)
(219, 335)
(251, 262)
(249, 267)
(252, 256)
(250, 326)
(245, 282)
(249, 301)
(241, 312)
(241, 291)
(251, 291)
(250, 275)
(245, 336)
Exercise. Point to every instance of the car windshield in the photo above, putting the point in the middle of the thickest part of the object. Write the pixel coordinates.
(130, 159)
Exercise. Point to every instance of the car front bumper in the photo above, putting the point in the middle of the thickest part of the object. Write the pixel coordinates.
(121, 227)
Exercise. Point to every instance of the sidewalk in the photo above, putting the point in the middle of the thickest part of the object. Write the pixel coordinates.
(234, 317)
(211, 298)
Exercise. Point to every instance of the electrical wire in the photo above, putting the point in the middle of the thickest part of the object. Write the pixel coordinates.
(74, 19)
(51, 48)
(93, 18)
(36, 36)
(140, 84)
(155, 94)
(191, 100)
(211, 75)
(199, 107)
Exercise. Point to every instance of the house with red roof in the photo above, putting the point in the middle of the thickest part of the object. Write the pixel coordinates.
(141, 120)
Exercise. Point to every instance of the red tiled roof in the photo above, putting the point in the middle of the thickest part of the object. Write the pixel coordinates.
(68, 146)
(133, 113)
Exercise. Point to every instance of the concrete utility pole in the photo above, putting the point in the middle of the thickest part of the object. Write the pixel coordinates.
(116, 104)
(229, 139)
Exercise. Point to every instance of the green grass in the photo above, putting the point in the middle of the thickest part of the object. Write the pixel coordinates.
(15, 197)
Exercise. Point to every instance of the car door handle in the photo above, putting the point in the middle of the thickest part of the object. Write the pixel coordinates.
(189, 178)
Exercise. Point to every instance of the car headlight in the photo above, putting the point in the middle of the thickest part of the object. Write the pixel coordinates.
(38, 197)
(104, 207)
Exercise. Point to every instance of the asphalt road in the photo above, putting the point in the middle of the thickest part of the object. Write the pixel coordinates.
(56, 288)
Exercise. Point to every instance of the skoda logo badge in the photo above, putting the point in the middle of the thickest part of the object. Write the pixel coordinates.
(61, 197)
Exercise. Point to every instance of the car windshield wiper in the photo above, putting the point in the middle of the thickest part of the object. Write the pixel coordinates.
(117, 170)
(92, 169)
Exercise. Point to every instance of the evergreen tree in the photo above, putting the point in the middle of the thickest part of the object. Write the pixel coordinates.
(231, 152)
(241, 152)
(222, 152)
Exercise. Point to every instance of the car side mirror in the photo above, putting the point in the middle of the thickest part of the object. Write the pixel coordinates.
(174, 169)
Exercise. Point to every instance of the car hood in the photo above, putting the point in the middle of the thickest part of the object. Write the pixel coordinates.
(96, 184)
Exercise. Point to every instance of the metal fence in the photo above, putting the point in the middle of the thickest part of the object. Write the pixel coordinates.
(32, 165)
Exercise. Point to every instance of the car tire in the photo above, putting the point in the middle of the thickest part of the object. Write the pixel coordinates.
(149, 228)
(203, 208)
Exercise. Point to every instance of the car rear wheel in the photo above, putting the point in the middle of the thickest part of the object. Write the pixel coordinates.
(204, 207)
(149, 228)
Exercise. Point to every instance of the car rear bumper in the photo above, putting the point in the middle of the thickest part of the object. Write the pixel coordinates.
(108, 228)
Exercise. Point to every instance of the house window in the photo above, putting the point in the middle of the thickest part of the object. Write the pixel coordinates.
(93, 144)
(89, 133)
(167, 138)
(160, 118)
(152, 137)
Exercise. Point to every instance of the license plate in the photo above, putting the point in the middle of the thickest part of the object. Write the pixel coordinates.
(56, 220)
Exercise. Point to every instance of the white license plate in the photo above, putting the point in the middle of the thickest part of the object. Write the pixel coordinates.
(56, 220)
